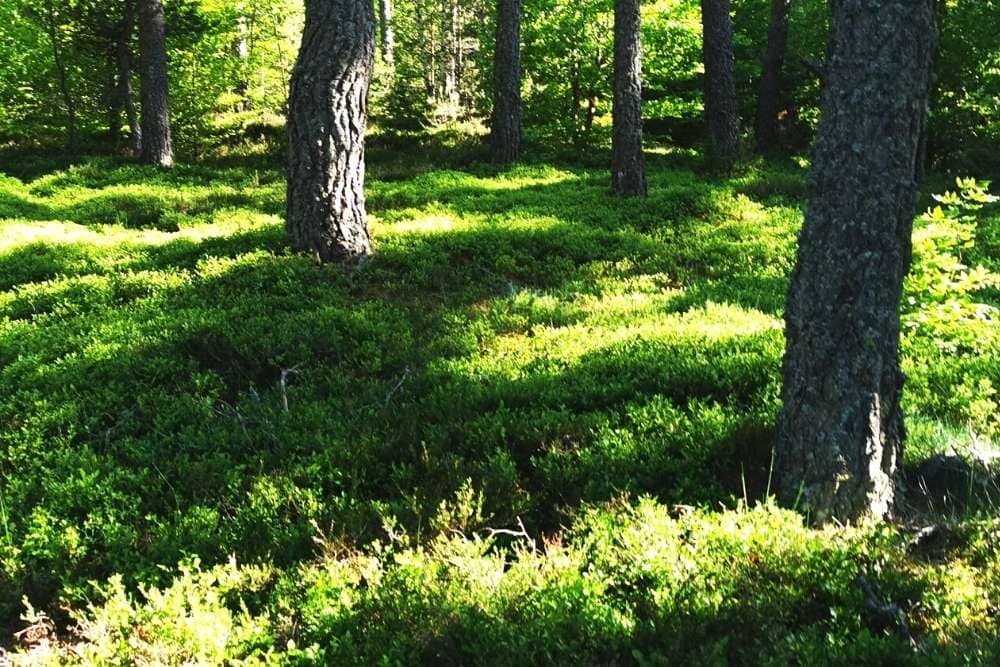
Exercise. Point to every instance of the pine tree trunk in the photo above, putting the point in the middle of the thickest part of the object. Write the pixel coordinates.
(126, 95)
(328, 114)
(157, 146)
(840, 432)
(769, 95)
(720, 83)
(505, 136)
(387, 33)
(628, 169)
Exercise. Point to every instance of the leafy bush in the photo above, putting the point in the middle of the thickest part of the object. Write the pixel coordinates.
(948, 310)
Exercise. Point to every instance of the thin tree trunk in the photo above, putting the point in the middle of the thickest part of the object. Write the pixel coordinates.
(450, 32)
(328, 114)
(577, 90)
(64, 88)
(769, 95)
(428, 48)
(126, 94)
(387, 33)
(112, 103)
(459, 52)
(241, 48)
(157, 145)
(628, 169)
(720, 83)
(505, 137)
(840, 432)
(447, 71)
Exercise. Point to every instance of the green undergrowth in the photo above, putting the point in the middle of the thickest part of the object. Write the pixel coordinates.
(523, 349)
(628, 584)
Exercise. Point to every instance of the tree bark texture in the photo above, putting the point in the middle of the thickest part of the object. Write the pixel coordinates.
(720, 83)
(769, 95)
(157, 145)
(387, 32)
(628, 169)
(126, 95)
(505, 135)
(328, 115)
(840, 432)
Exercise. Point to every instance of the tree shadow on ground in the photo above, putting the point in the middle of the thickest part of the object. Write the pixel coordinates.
(171, 395)
(247, 395)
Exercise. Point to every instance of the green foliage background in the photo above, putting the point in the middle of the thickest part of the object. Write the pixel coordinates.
(567, 47)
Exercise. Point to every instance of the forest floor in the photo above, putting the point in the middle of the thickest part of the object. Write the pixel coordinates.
(534, 428)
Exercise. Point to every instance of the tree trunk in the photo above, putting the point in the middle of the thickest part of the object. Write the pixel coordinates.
(64, 88)
(157, 146)
(840, 432)
(769, 95)
(328, 114)
(241, 49)
(449, 64)
(628, 169)
(720, 84)
(505, 136)
(454, 44)
(460, 68)
(126, 95)
(387, 33)
(576, 86)
(112, 105)
(428, 50)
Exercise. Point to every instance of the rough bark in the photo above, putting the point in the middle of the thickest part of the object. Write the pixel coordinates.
(328, 114)
(840, 432)
(628, 169)
(387, 32)
(720, 83)
(769, 95)
(157, 146)
(505, 135)
(126, 95)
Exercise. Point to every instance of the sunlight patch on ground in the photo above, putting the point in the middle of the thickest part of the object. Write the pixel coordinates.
(15, 233)
(620, 322)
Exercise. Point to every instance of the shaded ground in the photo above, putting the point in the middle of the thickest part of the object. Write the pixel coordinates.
(522, 347)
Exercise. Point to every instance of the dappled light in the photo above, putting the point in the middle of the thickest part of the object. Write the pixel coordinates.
(499, 332)
(204, 391)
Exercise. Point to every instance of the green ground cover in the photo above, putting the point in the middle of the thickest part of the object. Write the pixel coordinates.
(259, 458)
